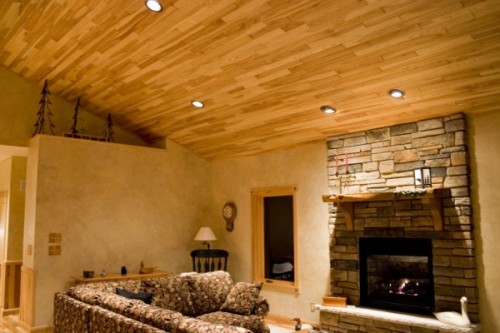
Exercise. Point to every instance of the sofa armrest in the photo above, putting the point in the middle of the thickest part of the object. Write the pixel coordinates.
(261, 308)
(70, 315)
(193, 325)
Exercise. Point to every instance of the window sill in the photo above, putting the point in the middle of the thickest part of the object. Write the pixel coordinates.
(278, 285)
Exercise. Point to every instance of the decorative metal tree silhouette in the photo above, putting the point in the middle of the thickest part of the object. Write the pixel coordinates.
(108, 134)
(74, 130)
(44, 111)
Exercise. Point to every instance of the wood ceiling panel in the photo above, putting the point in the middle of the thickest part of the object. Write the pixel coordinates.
(262, 67)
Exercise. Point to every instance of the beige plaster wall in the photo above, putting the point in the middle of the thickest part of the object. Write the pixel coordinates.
(18, 113)
(484, 138)
(114, 205)
(304, 167)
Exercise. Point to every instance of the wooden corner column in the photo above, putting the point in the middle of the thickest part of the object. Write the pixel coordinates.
(26, 313)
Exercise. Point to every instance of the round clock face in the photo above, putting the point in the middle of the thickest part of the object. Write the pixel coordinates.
(227, 211)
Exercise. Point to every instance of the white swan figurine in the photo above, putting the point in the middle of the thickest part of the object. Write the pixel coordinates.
(455, 318)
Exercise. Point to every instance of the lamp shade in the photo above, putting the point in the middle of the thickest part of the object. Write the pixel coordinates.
(205, 234)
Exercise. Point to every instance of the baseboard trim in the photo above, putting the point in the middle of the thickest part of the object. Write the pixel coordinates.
(279, 320)
(10, 312)
(36, 329)
(42, 329)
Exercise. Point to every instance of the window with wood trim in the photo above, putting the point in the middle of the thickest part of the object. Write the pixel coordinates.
(274, 224)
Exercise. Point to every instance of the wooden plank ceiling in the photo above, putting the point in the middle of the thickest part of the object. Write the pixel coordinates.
(262, 67)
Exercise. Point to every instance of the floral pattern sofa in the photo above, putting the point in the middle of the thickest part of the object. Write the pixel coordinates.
(206, 302)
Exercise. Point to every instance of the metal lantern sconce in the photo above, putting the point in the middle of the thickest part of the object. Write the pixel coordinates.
(422, 177)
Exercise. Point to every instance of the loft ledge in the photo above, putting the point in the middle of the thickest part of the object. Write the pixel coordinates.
(429, 193)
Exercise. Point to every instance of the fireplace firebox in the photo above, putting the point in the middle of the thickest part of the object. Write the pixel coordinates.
(396, 274)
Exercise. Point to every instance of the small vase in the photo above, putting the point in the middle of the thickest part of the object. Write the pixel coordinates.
(124, 270)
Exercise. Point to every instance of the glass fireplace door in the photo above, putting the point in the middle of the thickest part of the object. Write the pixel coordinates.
(396, 274)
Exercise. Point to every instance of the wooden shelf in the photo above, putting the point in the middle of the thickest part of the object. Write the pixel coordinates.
(433, 197)
(117, 277)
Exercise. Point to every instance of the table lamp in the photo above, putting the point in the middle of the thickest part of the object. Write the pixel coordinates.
(205, 234)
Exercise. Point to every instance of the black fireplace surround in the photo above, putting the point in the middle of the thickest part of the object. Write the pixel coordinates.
(396, 274)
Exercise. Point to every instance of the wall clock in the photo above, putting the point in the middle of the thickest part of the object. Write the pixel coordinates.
(229, 214)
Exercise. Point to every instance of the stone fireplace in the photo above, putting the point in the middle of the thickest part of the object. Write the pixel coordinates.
(374, 196)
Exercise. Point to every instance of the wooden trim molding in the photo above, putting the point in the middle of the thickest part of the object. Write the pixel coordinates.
(427, 194)
(26, 309)
(118, 277)
(3, 273)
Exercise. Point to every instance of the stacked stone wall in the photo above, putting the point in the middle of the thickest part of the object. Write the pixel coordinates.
(339, 323)
(384, 160)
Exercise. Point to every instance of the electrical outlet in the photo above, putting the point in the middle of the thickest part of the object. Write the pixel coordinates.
(55, 237)
(313, 307)
(54, 250)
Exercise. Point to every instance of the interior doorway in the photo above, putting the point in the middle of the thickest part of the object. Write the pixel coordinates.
(13, 165)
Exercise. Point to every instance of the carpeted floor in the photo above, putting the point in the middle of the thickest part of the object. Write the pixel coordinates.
(279, 329)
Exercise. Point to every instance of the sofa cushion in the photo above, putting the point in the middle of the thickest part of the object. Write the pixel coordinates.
(140, 311)
(105, 321)
(142, 296)
(164, 319)
(118, 303)
(242, 297)
(209, 290)
(251, 322)
(170, 292)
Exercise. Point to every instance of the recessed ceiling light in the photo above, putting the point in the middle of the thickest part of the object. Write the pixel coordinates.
(197, 104)
(397, 93)
(154, 5)
(328, 109)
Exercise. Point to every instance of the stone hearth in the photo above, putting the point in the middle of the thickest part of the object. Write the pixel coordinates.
(384, 160)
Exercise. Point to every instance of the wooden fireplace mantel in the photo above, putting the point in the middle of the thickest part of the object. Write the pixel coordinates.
(431, 196)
